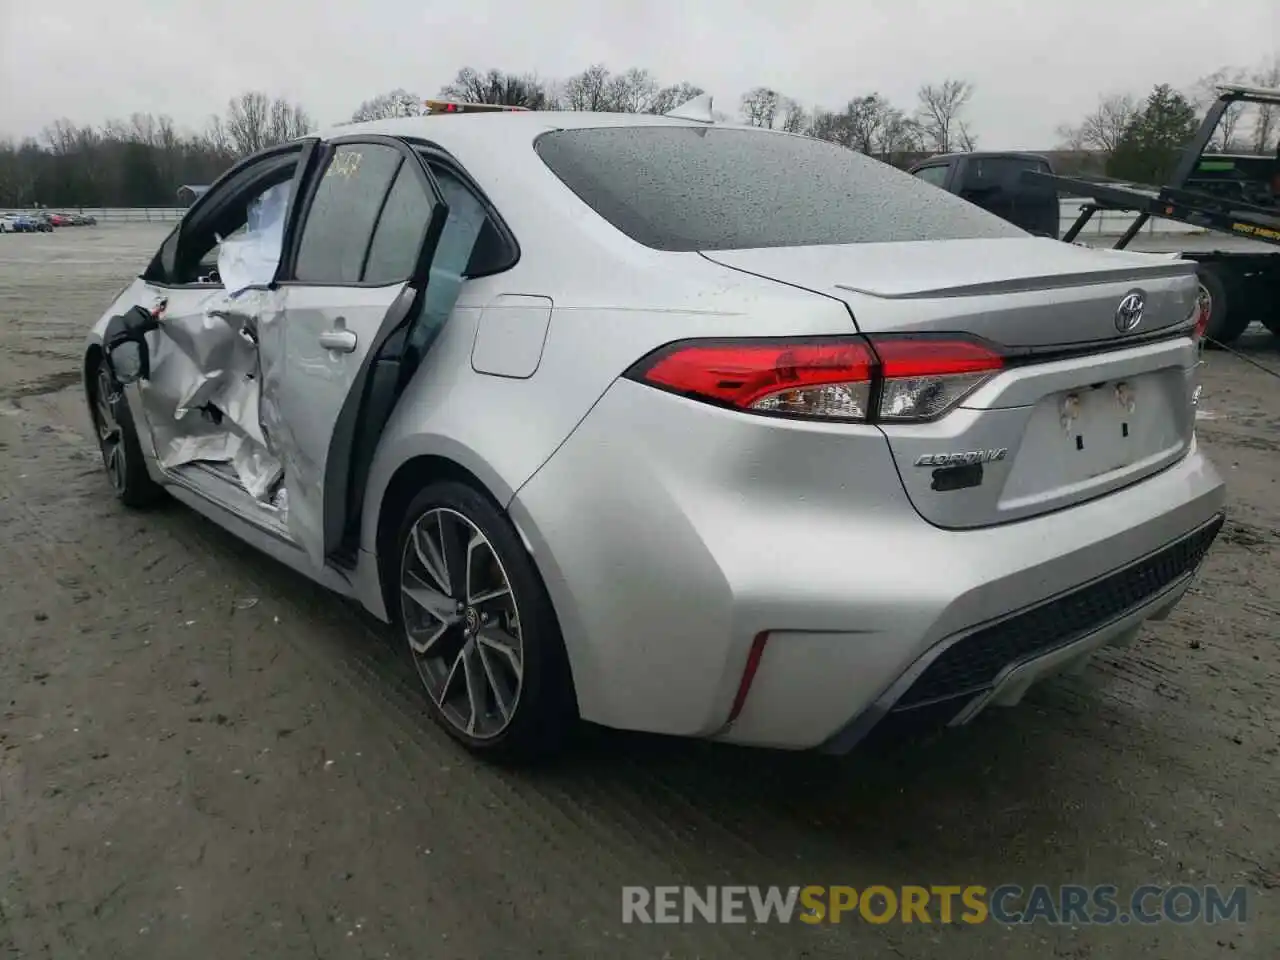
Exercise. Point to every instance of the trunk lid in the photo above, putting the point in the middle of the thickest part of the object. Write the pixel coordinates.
(1085, 405)
(1018, 292)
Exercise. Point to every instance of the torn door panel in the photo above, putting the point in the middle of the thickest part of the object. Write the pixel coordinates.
(203, 397)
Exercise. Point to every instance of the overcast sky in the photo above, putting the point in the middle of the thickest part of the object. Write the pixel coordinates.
(1034, 63)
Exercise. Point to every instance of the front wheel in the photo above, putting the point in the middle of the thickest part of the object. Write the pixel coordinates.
(118, 443)
(480, 627)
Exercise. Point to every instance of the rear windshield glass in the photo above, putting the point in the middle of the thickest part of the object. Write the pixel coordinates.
(699, 188)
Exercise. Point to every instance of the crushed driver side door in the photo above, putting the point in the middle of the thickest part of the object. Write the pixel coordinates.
(355, 287)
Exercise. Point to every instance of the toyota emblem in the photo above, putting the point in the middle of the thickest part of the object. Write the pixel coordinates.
(1129, 313)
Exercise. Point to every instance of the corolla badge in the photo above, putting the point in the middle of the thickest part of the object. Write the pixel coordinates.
(967, 458)
(1129, 313)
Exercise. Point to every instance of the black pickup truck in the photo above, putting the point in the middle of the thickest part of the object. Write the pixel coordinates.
(994, 182)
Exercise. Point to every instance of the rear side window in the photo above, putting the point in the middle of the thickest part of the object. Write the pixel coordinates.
(697, 188)
(934, 175)
(343, 212)
(1004, 173)
(401, 230)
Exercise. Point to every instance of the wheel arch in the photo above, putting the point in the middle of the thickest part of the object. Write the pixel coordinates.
(92, 357)
(410, 477)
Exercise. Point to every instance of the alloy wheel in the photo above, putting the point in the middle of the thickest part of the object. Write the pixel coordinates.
(110, 436)
(462, 623)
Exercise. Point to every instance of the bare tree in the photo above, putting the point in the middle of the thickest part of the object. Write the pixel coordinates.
(795, 118)
(900, 135)
(1104, 127)
(588, 90)
(494, 86)
(939, 113)
(144, 128)
(288, 122)
(216, 137)
(760, 106)
(1205, 91)
(248, 117)
(632, 91)
(1071, 138)
(60, 136)
(869, 124)
(676, 95)
(395, 103)
(1267, 117)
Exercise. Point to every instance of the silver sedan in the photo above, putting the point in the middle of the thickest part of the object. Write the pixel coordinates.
(666, 424)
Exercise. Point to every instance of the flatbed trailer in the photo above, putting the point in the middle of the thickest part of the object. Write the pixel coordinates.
(1236, 286)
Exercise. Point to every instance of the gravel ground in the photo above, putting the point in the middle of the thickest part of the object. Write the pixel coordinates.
(203, 755)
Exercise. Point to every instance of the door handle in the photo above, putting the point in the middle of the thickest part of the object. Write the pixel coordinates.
(343, 341)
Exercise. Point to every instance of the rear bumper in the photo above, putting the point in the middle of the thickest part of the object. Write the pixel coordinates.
(670, 534)
(995, 663)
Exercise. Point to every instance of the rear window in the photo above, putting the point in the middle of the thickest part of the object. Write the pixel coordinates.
(1002, 172)
(702, 188)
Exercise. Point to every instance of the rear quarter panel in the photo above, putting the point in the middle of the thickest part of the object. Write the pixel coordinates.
(613, 301)
(502, 429)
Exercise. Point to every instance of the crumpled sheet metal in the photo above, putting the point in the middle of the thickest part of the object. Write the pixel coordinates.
(305, 524)
(209, 359)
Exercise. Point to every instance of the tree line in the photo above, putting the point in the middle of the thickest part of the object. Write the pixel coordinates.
(1140, 139)
(142, 161)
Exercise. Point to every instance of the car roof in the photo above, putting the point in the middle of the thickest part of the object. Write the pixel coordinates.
(480, 129)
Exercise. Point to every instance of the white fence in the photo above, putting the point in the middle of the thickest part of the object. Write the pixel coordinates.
(118, 214)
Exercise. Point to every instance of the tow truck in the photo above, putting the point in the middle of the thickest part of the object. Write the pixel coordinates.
(1226, 194)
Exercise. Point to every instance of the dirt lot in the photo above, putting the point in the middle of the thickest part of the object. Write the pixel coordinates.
(202, 755)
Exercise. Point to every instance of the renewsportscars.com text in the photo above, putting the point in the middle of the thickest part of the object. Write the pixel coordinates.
(936, 904)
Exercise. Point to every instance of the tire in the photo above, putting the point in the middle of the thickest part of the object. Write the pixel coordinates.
(1265, 301)
(118, 443)
(1272, 320)
(1228, 314)
(480, 628)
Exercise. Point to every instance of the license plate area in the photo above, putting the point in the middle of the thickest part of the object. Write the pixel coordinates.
(1098, 425)
(1099, 431)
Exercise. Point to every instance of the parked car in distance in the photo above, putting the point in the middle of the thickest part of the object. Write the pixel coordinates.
(9, 224)
(617, 418)
(25, 223)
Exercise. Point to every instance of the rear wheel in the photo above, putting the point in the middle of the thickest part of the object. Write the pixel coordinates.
(118, 443)
(1268, 303)
(1228, 309)
(480, 627)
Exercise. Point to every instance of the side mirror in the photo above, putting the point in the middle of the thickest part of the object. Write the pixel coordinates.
(129, 360)
(125, 345)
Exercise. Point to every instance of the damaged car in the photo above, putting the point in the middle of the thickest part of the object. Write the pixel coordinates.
(666, 424)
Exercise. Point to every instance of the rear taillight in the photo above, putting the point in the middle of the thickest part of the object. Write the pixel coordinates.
(1202, 311)
(890, 378)
(923, 378)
